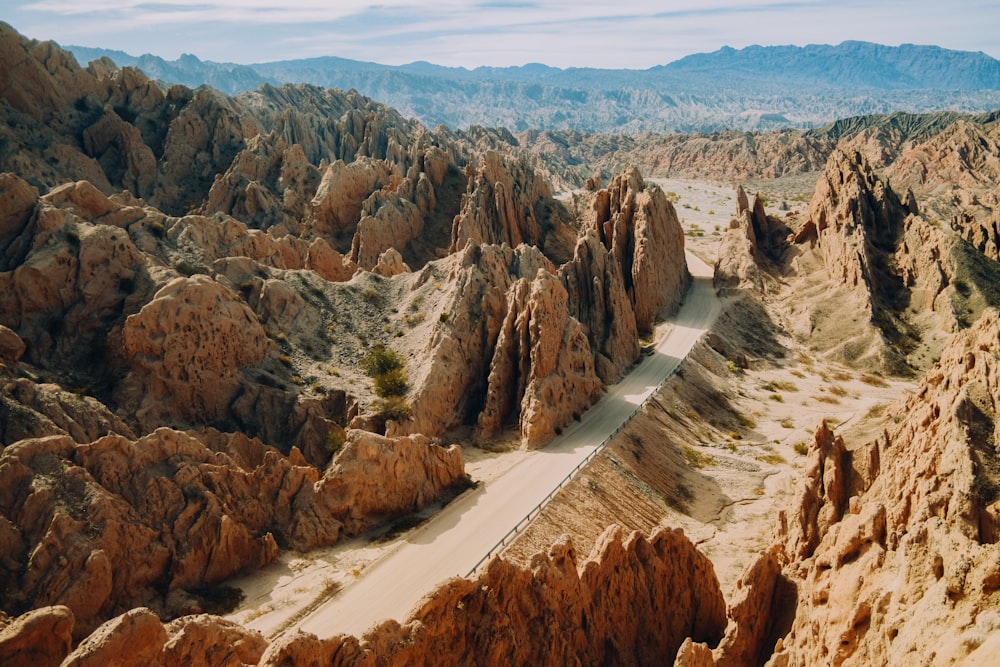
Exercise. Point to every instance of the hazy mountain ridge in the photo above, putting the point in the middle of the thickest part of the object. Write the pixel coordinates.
(755, 88)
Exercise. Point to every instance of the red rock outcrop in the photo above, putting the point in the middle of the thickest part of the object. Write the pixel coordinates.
(31, 409)
(187, 346)
(105, 526)
(633, 601)
(639, 227)
(506, 351)
(40, 638)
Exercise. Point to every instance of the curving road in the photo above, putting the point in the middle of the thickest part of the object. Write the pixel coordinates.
(455, 540)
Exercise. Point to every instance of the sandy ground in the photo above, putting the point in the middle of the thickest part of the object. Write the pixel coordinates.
(754, 472)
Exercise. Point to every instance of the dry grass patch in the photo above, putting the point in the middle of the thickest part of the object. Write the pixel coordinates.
(874, 381)
(696, 459)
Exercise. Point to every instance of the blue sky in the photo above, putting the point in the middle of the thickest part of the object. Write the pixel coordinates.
(562, 33)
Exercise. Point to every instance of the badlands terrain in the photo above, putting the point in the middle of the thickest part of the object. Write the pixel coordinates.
(252, 345)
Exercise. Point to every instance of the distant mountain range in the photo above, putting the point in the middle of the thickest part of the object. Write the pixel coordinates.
(755, 88)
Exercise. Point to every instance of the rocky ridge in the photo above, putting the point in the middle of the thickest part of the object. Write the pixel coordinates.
(890, 547)
(116, 523)
(662, 592)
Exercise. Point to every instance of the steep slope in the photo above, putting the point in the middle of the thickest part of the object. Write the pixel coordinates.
(874, 284)
(890, 550)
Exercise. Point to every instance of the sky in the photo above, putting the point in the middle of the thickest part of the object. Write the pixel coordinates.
(562, 33)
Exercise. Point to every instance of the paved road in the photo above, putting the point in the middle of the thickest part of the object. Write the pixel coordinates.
(454, 541)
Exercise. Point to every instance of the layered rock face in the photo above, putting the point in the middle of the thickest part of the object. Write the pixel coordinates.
(151, 522)
(508, 352)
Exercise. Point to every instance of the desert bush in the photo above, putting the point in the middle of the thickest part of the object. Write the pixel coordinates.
(392, 383)
(379, 360)
(874, 380)
(391, 407)
(334, 441)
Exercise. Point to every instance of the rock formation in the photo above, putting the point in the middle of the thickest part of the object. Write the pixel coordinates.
(152, 522)
(507, 203)
(905, 281)
(542, 367)
(747, 245)
(912, 521)
(186, 347)
(506, 353)
(40, 638)
(662, 592)
(598, 300)
(888, 554)
(639, 227)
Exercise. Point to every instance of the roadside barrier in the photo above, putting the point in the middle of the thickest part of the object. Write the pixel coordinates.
(530, 516)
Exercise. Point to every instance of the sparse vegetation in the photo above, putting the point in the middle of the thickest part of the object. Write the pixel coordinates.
(876, 411)
(874, 381)
(334, 441)
(380, 360)
(391, 408)
(392, 383)
(696, 459)
(771, 458)
(787, 423)
(801, 448)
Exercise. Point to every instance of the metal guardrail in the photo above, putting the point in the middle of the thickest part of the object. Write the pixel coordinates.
(523, 523)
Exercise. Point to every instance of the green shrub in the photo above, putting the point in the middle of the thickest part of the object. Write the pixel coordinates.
(334, 441)
(392, 383)
(801, 448)
(391, 407)
(379, 360)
